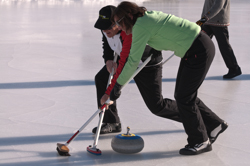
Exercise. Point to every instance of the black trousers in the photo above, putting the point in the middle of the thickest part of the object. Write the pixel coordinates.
(101, 80)
(222, 36)
(149, 83)
(198, 120)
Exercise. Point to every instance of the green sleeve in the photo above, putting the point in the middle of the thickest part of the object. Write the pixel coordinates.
(139, 40)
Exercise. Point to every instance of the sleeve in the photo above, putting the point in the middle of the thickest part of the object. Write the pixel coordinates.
(108, 53)
(126, 45)
(139, 40)
(215, 9)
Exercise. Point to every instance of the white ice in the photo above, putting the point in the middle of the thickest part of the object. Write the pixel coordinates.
(49, 55)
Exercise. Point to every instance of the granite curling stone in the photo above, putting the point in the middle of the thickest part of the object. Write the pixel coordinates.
(127, 143)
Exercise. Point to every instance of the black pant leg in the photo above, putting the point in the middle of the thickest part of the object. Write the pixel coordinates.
(149, 83)
(192, 71)
(222, 36)
(101, 80)
(210, 119)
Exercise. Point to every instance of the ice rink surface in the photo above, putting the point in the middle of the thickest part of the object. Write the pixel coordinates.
(49, 55)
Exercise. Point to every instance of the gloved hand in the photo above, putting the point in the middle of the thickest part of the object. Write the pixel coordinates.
(201, 21)
(116, 92)
(148, 51)
(156, 54)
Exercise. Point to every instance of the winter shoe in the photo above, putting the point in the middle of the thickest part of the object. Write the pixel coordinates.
(233, 73)
(109, 128)
(217, 131)
(196, 149)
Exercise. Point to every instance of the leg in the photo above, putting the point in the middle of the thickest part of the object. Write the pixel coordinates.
(210, 119)
(101, 80)
(214, 125)
(222, 37)
(111, 119)
(149, 83)
(192, 71)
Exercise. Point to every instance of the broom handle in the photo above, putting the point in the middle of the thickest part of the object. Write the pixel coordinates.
(167, 59)
(112, 72)
(96, 113)
(102, 110)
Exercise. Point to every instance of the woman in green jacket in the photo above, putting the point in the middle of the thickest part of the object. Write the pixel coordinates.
(164, 31)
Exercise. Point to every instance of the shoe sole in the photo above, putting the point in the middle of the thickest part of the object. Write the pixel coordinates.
(224, 127)
(189, 152)
(227, 77)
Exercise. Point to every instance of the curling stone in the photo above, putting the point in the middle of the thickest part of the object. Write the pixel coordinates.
(127, 143)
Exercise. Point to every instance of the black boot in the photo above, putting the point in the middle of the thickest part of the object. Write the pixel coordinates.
(232, 73)
(109, 128)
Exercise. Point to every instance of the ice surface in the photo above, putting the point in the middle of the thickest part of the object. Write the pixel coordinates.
(49, 55)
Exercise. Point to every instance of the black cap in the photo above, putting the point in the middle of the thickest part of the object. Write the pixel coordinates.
(104, 21)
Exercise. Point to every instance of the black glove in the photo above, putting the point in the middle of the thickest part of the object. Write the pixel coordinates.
(116, 92)
(201, 21)
(156, 54)
(156, 57)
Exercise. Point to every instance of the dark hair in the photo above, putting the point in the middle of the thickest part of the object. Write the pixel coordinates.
(112, 10)
(124, 9)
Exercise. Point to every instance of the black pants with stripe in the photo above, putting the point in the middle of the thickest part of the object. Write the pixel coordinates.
(198, 120)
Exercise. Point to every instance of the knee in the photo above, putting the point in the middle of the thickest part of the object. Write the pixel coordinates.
(161, 112)
(181, 99)
(155, 109)
(178, 97)
(152, 107)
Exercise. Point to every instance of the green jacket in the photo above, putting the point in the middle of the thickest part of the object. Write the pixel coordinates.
(161, 31)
